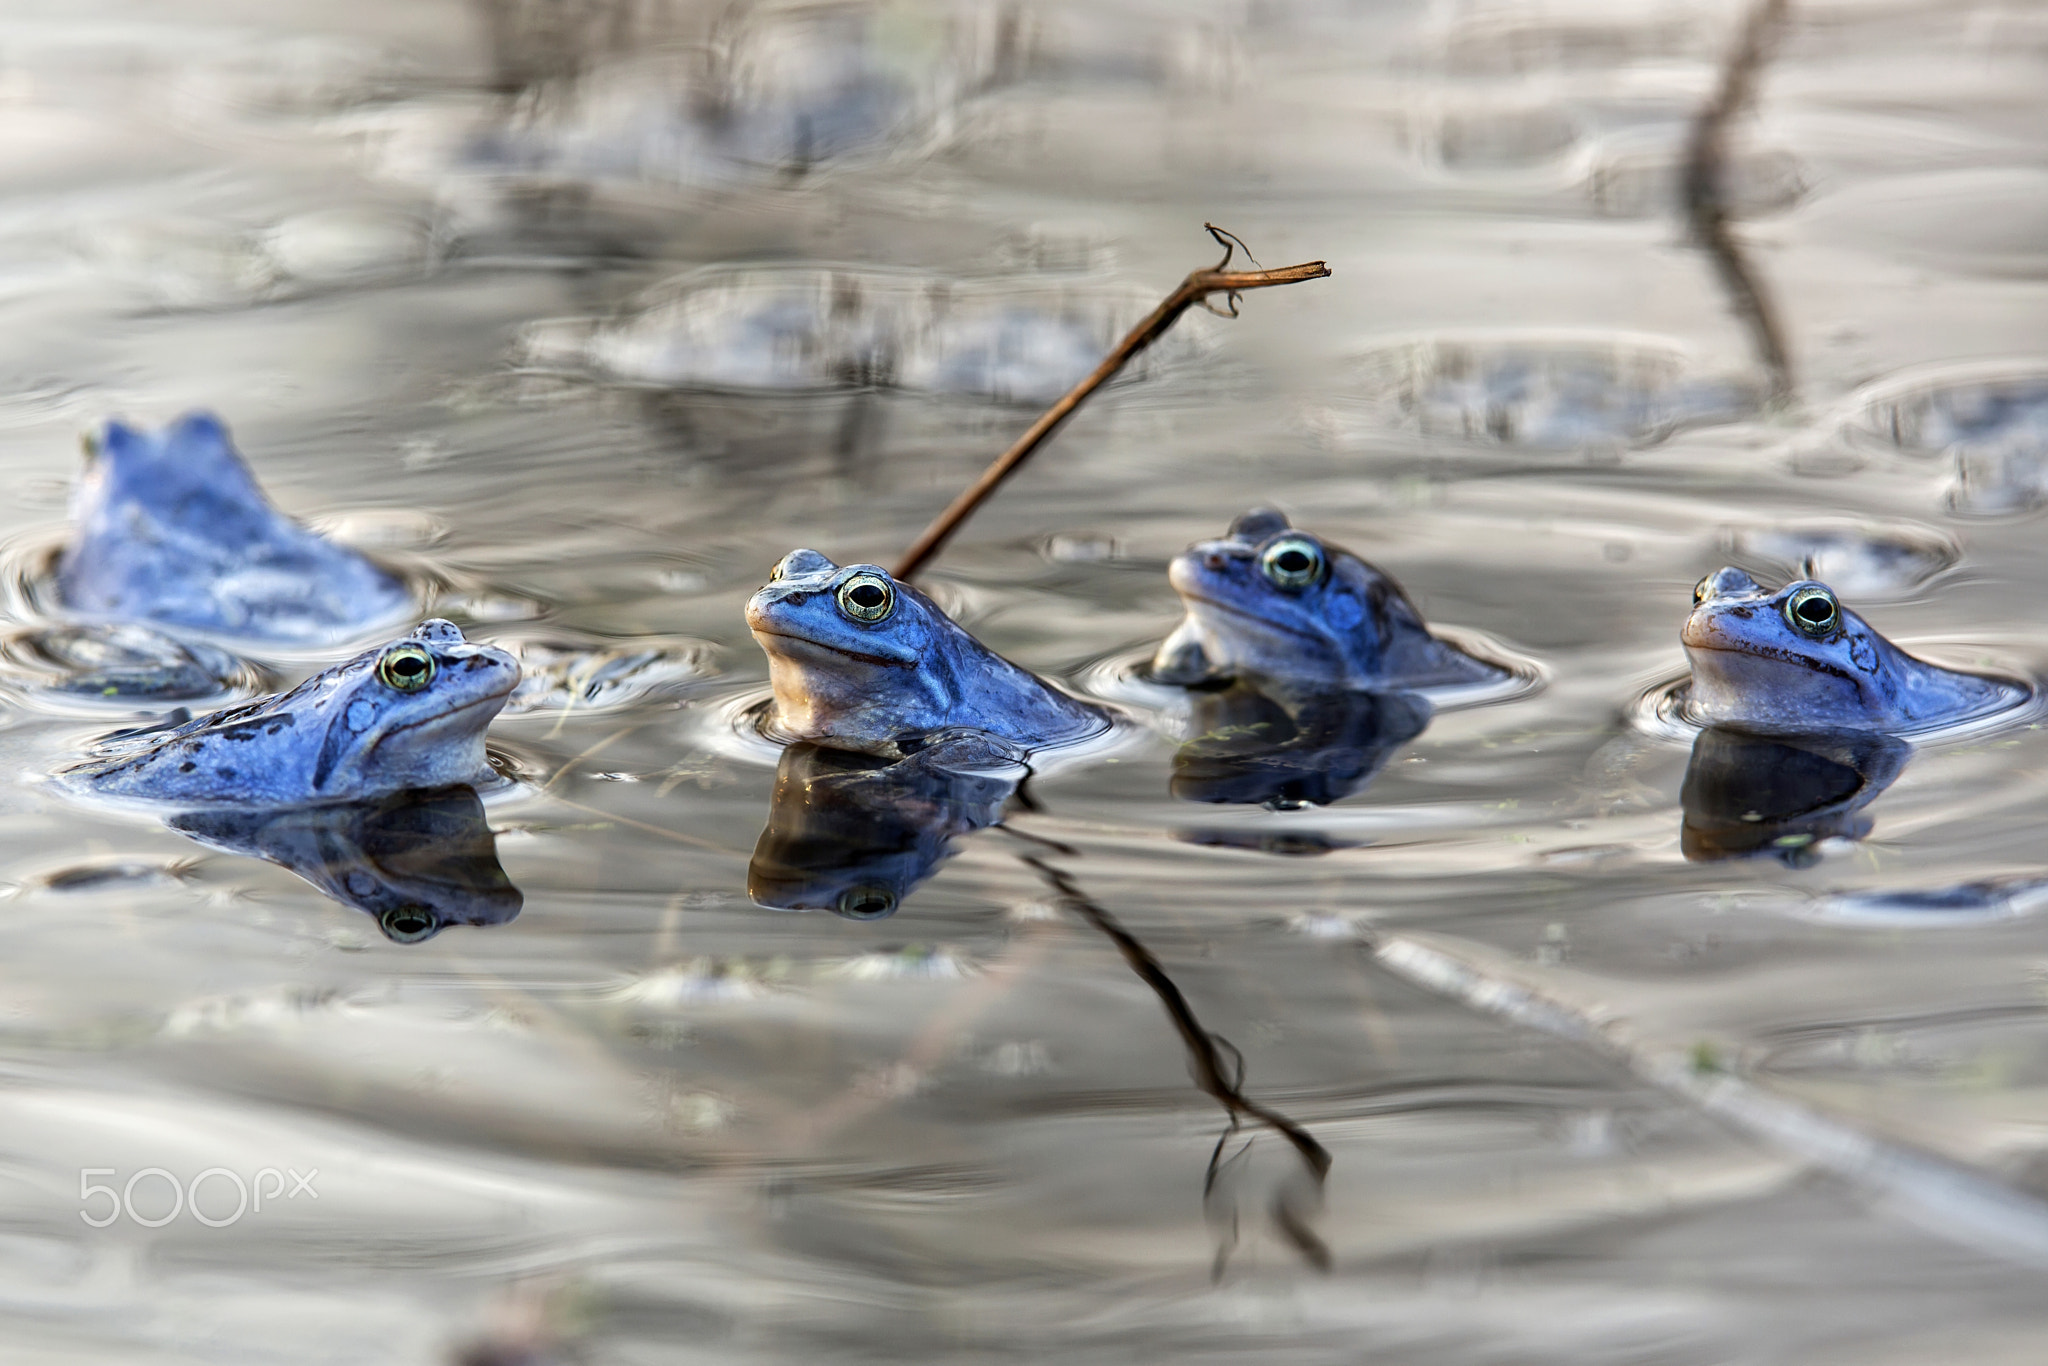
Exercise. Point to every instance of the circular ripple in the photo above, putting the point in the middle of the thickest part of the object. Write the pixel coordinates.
(1992, 422)
(1664, 709)
(1551, 393)
(558, 676)
(1123, 678)
(741, 728)
(1863, 560)
(84, 668)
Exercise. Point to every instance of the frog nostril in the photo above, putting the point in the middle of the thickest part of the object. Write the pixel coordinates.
(1212, 560)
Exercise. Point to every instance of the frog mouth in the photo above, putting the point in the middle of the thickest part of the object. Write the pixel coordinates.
(440, 716)
(812, 652)
(1265, 623)
(1706, 637)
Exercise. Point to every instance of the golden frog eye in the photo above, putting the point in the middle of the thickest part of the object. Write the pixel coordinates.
(1699, 590)
(1293, 562)
(1813, 610)
(867, 597)
(866, 902)
(407, 668)
(408, 924)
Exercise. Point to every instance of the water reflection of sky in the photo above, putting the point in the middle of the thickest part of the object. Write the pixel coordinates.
(582, 315)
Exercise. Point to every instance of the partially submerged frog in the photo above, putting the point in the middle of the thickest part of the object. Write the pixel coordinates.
(1797, 660)
(859, 661)
(409, 714)
(172, 528)
(1273, 603)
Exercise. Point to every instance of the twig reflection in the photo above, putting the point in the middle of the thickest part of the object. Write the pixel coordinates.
(1705, 192)
(1222, 1080)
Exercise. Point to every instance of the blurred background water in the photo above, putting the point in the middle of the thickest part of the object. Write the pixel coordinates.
(581, 313)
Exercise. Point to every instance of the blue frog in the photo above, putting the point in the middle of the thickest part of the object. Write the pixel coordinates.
(1798, 661)
(1270, 603)
(408, 715)
(173, 529)
(859, 661)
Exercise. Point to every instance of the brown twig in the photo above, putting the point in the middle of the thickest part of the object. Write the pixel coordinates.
(1196, 289)
(1706, 192)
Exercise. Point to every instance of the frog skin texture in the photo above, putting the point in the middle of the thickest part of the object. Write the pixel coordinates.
(1798, 661)
(859, 661)
(1274, 604)
(172, 529)
(410, 714)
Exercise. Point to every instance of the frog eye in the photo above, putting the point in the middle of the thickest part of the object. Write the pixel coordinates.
(866, 902)
(1699, 590)
(408, 668)
(408, 924)
(1292, 562)
(867, 597)
(1814, 611)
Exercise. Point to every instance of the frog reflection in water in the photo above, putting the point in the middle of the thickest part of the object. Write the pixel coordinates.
(1781, 795)
(410, 714)
(416, 861)
(861, 662)
(172, 529)
(853, 834)
(1797, 660)
(1308, 750)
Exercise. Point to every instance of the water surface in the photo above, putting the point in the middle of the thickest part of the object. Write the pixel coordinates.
(1582, 1098)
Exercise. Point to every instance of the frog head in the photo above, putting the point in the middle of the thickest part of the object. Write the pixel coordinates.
(859, 660)
(1273, 602)
(411, 714)
(1798, 660)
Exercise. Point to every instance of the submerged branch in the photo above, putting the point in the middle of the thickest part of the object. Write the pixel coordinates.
(1705, 192)
(1196, 289)
(1952, 1199)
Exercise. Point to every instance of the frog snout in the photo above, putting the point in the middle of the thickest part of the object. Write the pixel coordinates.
(1712, 630)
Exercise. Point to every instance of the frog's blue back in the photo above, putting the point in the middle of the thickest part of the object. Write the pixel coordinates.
(172, 528)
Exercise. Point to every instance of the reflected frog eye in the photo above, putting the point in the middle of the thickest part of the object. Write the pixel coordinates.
(867, 597)
(1814, 611)
(407, 668)
(866, 902)
(408, 924)
(1292, 562)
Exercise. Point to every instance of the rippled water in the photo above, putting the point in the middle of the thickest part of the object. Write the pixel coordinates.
(580, 315)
